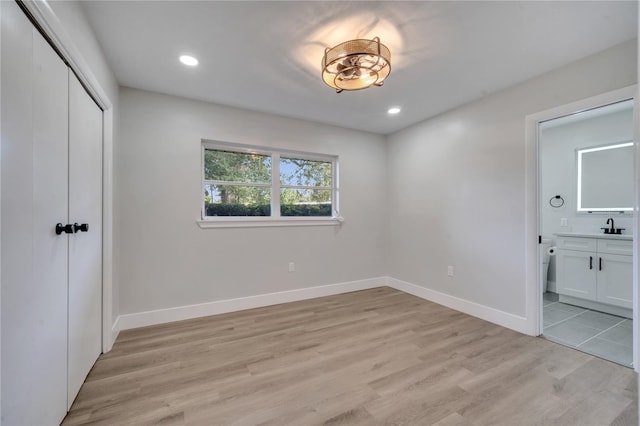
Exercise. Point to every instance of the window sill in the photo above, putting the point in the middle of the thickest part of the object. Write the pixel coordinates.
(250, 222)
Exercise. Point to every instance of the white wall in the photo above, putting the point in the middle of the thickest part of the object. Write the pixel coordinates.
(457, 184)
(72, 17)
(163, 259)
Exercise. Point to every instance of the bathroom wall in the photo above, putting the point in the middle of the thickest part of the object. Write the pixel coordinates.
(557, 151)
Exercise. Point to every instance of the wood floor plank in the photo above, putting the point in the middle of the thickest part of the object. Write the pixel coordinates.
(373, 357)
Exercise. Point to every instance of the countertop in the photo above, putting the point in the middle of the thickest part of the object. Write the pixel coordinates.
(625, 237)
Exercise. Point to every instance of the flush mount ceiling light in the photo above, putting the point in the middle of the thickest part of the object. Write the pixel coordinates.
(356, 64)
(393, 110)
(189, 60)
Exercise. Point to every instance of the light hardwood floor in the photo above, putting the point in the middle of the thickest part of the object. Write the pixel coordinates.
(371, 357)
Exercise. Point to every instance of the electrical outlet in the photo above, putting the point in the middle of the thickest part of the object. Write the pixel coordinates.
(292, 267)
(450, 271)
(564, 222)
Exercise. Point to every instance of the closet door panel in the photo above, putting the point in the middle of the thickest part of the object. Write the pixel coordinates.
(17, 215)
(34, 199)
(85, 248)
(50, 200)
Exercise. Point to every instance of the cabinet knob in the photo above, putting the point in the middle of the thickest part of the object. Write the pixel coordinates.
(82, 228)
(60, 228)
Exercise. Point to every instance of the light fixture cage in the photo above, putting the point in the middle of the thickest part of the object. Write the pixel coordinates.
(356, 64)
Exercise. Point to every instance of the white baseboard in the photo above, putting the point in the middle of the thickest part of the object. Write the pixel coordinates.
(115, 330)
(161, 316)
(486, 313)
(551, 286)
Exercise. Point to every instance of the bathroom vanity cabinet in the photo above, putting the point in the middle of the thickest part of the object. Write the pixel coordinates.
(596, 272)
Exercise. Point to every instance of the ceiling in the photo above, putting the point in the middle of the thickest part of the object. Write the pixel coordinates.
(265, 56)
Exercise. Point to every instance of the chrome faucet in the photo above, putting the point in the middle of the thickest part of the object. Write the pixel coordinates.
(612, 230)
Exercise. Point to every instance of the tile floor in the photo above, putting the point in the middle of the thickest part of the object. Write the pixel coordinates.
(603, 335)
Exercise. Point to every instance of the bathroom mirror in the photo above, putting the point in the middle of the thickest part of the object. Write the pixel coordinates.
(605, 178)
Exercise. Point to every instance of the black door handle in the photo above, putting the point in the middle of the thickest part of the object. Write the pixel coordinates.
(600, 266)
(60, 228)
(590, 262)
(83, 228)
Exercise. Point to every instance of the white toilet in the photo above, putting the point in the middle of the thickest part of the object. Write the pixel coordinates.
(546, 244)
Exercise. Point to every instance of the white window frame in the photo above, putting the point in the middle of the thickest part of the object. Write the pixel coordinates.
(275, 219)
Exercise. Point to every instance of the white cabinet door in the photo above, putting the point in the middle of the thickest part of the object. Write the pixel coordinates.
(615, 280)
(34, 198)
(576, 274)
(85, 247)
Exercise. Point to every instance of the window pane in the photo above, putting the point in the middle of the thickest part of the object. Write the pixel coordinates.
(226, 200)
(305, 202)
(294, 171)
(236, 166)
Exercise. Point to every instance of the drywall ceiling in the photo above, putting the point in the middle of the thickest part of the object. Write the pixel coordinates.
(265, 56)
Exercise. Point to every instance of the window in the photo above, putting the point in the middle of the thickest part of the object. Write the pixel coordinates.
(305, 187)
(236, 183)
(254, 183)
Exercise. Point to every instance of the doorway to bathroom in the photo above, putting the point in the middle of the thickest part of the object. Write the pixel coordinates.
(586, 222)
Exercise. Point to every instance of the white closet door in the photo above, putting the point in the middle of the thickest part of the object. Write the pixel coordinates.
(85, 247)
(50, 150)
(34, 199)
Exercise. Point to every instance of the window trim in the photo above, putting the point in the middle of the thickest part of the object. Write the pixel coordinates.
(275, 219)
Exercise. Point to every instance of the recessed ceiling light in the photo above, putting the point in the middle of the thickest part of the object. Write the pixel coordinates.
(393, 110)
(189, 60)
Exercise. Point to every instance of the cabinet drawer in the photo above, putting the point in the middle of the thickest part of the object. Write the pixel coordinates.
(615, 247)
(574, 243)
